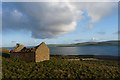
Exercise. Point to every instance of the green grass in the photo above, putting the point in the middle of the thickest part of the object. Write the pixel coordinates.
(61, 68)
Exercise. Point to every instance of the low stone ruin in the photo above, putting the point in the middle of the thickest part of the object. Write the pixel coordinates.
(36, 54)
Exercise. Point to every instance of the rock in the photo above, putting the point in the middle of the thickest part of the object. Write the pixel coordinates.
(18, 48)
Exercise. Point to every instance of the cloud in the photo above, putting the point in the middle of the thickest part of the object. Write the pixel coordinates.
(13, 41)
(93, 39)
(101, 33)
(50, 19)
(95, 10)
(78, 40)
(44, 20)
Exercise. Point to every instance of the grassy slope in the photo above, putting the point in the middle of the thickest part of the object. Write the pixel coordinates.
(57, 67)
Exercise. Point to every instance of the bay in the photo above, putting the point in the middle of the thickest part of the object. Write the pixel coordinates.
(86, 50)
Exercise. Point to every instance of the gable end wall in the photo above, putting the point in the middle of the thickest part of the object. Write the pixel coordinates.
(42, 53)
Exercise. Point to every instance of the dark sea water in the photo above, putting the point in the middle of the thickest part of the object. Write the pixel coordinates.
(85, 50)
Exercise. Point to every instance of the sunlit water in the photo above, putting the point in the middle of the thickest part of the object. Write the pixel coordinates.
(86, 50)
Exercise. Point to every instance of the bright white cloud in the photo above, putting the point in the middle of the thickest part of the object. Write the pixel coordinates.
(95, 10)
(50, 19)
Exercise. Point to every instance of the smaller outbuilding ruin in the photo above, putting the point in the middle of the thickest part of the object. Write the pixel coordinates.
(36, 54)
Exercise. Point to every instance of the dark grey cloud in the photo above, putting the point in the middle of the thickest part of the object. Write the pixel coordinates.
(44, 20)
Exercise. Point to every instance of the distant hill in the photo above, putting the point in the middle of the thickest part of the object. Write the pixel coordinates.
(4, 50)
(103, 43)
(111, 43)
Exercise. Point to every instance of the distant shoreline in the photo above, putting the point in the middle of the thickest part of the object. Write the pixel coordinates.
(103, 43)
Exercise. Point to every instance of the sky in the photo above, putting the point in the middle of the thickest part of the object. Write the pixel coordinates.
(31, 23)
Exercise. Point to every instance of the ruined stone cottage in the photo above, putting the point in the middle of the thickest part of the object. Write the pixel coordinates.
(36, 54)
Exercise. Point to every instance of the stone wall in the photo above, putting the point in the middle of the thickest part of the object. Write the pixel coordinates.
(24, 56)
(42, 53)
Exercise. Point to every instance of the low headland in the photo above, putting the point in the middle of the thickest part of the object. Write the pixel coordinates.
(103, 43)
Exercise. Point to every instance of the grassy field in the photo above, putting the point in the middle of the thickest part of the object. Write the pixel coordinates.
(59, 67)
